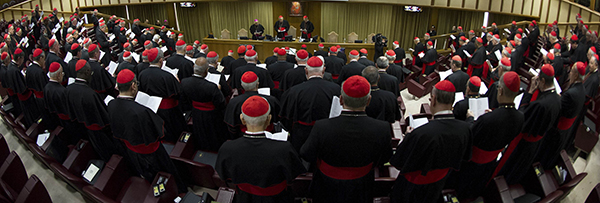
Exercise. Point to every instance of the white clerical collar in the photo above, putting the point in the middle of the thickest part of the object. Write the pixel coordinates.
(315, 76)
(443, 112)
(364, 57)
(52, 52)
(35, 62)
(52, 80)
(251, 63)
(351, 60)
(255, 133)
(151, 65)
(80, 79)
(548, 89)
(196, 75)
(382, 70)
(125, 97)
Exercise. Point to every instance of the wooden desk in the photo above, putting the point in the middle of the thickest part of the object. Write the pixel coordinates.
(265, 49)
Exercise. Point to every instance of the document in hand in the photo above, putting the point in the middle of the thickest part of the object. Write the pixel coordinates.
(445, 74)
(458, 96)
(68, 57)
(478, 106)
(264, 91)
(336, 107)
(415, 123)
(214, 78)
(170, 70)
(112, 67)
(151, 102)
(108, 99)
(467, 53)
(498, 54)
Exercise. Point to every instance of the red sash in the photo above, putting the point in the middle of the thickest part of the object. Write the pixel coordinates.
(141, 148)
(268, 191)
(481, 156)
(64, 117)
(343, 173)
(511, 147)
(306, 124)
(335, 76)
(10, 92)
(25, 96)
(168, 103)
(471, 67)
(486, 68)
(38, 94)
(398, 61)
(202, 106)
(425, 66)
(308, 35)
(565, 123)
(432, 176)
(94, 127)
(276, 84)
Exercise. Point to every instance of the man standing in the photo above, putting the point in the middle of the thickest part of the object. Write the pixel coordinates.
(208, 105)
(306, 27)
(333, 63)
(156, 82)
(256, 30)
(386, 81)
(321, 51)
(260, 167)
(126, 64)
(490, 136)
(104, 42)
(263, 75)
(592, 79)
(429, 60)
(140, 130)
(458, 77)
(144, 64)
(394, 69)
(297, 75)
(55, 99)
(476, 66)
(281, 27)
(102, 82)
(461, 107)
(541, 107)
(135, 28)
(503, 67)
(178, 61)
(16, 83)
(54, 48)
(307, 102)
(400, 54)
(352, 68)
(419, 49)
(36, 81)
(241, 61)
(277, 69)
(346, 155)
(363, 58)
(383, 105)
(429, 152)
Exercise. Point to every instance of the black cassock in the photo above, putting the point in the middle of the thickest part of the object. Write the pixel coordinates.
(304, 104)
(55, 98)
(15, 82)
(427, 155)
(397, 71)
(141, 67)
(591, 84)
(292, 77)
(185, 66)
(260, 168)
(419, 47)
(88, 109)
(234, 109)
(126, 65)
(234, 65)
(264, 79)
(476, 63)
(363, 60)
(104, 45)
(400, 54)
(226, 62)
(36, 81)
(561, 135)
(309, 27)
(491, 133)
(492, 56)
(225, 88)
(102, 82)
(541, 112)
(429, 61)
(70, 69)
(459, 80)
(559, 70)
(354, 146)
(291, 58)
(140, 130)
(278, 25)
(256, 28)
(516, 57)
(461, 107)
(208, 105)
(383, 106)
(349, 70)
(492, 95)
(322, 53)
(52, 57)
(277, 69)
(271, 60)
(157, 82)
(334, 66)
(388, 82)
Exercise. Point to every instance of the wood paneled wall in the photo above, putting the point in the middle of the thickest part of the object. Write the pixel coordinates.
(65, 8)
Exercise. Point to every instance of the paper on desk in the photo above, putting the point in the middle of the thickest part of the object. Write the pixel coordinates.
(445, 74)
(507, 30)
(151, 102)
(112, 67)
(280, 136)
(467, 53)
(108, 99)
(498, 55)
(336, 107)
(458, 96)
(543, 51)
(41, 139)
(164, 49)
(91, 172)
(478, 106)
(421, 55)
(415, 123)
(264, 91)
(482, 89)
(214, 78)
(70, 81)
(170, 70)
(68, 57)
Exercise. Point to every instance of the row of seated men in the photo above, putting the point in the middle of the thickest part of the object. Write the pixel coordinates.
(81, 109)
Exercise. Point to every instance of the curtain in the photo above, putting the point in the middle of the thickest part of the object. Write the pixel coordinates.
(119, 11)
(151, 12)
(195, 22)
(363, 19)
(469, 20)
(234, 16)
(407, 25)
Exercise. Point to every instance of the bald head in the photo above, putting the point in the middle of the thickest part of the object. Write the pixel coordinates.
(201, 66)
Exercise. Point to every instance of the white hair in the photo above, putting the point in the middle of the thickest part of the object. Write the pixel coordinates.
(250, 86)
(55, 73)
(156, 37)
(259, 120)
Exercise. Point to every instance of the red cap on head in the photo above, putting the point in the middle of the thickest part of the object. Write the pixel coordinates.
(427, 34)
(3, 56)
(147, 42)
(364, 51)
(196, 42)
(55, 9)
(512, 81)
(152, 54)
(315, 62)
(460, 27)
(249, 47)
(37, 52)
(430, 43)
(204, 46)
(211, 54)
(333, 49)
(241, 49)
(533, 21)
(2, 44)
(126, 54)
(471, 31)
(505, 61)
(86, 40)
(280, 16)
(457, 58)
(555, 22)
(550, 56)
(321, 45)
(514, 22)
(463, 38)
(303, 46)
(446, 86)
(479, 40)
(396, 43)
(102, 24)
(251, 53)
(553, 33)
(574, 38)
(249, 77)
(276, 49)
(302, 54)
(531, 24)
(122, 29)
(50, 43)
(281, 52)
(548, 70)
(92, 47)
(230, 51)
(180, 43)
(493, 23)
(512, 42)
(305, 17)
(356, 87)
(518, 36)
(497, 37)
(180, 35)
(509, 50)
(354, 53)
(593, 49)
(596, 56)
(580, 68)
(189, 48)
(520, 30)
(557, 46)
(416, 38)
(80, 64)
(163, 27)
(390, 53)
(255, 106)
(54, 66)
(126, 45)
(145, 53)
(151, 28)
(125, 76)
(475, 81)
(18, 51)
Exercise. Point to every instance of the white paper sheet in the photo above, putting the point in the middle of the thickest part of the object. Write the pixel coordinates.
(280, 136)
(61, 19)
(482, 89)
(170, 70)
(108, 99)
(101, 54)
(498, 55)
(112, 67)
(264, 91)
(518, 100)
(151, 102)
(478, 106)
(68, 57)
(91, 172)
(557, 87)
(336, 107)
(164, 49)
(70, 81)
(135, 56)
(543, 51)
(169, 33)
(415, 123)
(453, 37)
(214, 78)
(80, 41)
(445, 74)
(262, 65)
(41, 139)
(85, 18)
(508, 31)
(79, 24)
(458, 96)
(467, 53)
(132, 35)
(111, 37)
(421, 55)
(527, 30)
(292, 51)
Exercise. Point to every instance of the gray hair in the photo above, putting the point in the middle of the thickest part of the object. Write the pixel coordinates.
(155, 37)
(212, 60)
(504, 68)
(250, 86)
(443, 96)
(390, 58)
(382, 62)
(55, 74)
(159, 56)
(371, 73)
(200, 66)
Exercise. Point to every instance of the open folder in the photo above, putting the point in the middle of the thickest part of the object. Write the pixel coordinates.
(415, 123)
(478, 106)
(151, 102)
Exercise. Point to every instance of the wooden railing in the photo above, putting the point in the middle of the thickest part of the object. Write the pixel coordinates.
(107, 16)
(14, 6)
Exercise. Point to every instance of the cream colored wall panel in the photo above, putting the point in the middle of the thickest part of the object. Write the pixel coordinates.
(441, 2)
(595, 18)
(518, 5)
(563, 14)
(543, 15)
(145, 0)
(527, 7)
(67, 5)
(455, 3)
(483, 5)
(496, 5)
(105, 2)
(584, 14)
(553, 14)
(472, 4)
(506, 7)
